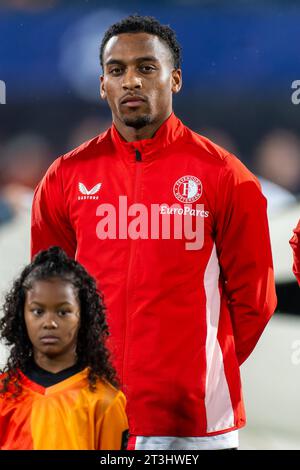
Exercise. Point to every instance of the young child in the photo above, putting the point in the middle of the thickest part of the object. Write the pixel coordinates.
(58, 389)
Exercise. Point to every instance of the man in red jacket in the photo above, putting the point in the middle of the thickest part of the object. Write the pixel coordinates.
(295, 244)
(174, 229)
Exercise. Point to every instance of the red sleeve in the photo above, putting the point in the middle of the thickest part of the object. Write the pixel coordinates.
(295, 244)
(244, 250)
(49, 222)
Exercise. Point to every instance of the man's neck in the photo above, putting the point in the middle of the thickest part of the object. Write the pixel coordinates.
(130, 134)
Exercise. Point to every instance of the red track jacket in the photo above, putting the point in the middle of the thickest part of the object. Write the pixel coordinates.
(295, 244)
(175, 231)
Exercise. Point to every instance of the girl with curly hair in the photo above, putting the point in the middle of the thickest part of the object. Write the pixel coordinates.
(58, 389)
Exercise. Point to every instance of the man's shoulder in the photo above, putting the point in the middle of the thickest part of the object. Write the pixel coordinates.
(210, 151)
(205, 147)
(88, 150)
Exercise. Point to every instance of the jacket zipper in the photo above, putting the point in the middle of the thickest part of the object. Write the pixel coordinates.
(138, 156)
(132, 251)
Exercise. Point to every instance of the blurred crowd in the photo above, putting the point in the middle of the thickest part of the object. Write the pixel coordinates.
(25, 157)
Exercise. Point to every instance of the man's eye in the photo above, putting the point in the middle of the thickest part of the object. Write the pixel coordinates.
(147, 68)
(115, 71)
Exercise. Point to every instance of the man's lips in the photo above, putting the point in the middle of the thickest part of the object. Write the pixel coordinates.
(133, 101)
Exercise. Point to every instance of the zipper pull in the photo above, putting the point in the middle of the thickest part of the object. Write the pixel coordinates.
(138, 156)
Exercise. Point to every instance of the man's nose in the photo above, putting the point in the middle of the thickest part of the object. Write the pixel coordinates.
(131, 80)
(50, 322)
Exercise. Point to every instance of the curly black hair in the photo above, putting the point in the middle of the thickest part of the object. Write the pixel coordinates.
(93, 330)
(144, 24)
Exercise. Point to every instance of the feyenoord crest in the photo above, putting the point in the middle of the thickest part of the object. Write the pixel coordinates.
(187, 189)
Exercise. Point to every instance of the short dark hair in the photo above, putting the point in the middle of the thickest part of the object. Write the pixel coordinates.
(144, 24)
(91, 342)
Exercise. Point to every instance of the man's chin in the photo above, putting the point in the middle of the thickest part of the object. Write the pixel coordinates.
(137, 122)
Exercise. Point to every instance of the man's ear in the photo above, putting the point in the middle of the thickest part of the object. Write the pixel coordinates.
(102, 88)
(176, 80)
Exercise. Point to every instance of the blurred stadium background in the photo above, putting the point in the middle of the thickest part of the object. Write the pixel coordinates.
(239, 61)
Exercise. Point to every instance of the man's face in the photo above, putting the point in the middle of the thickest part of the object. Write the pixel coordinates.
(139, 79)
(52, 318)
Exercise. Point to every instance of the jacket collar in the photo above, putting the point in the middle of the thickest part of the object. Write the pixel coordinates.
(169, 132)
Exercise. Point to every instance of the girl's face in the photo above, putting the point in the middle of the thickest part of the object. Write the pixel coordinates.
(52, 318)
